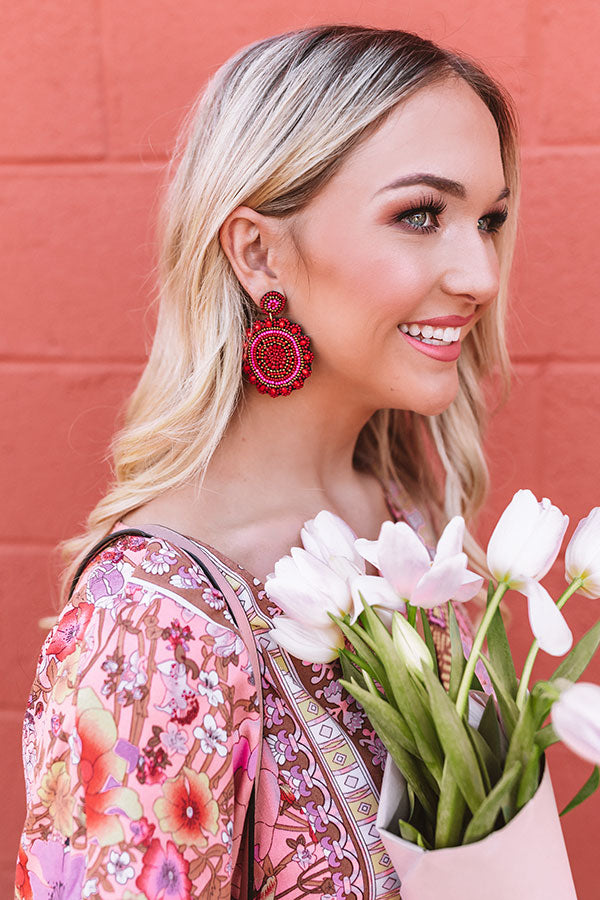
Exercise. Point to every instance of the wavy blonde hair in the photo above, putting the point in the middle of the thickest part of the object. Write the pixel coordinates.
(274, 123)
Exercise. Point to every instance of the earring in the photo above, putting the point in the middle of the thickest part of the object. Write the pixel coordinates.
(277, 356)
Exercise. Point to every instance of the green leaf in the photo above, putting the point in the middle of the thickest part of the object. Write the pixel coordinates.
(575, 663)
(350, 666)
(508, 708)
(546, 736)
(455, 742)
(489, 765)
(357, 638)
(458, 662)
(427, 634)
(500, 654)
(412, 834)
(520, 747)
(408, 694)
(586, 791)
(450, 812)
(530, 779)
(484, 819)
(489, 728)
(476, 685)
(396, 724)
(413, 769)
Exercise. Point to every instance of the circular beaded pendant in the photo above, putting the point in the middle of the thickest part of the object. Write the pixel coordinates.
(277, 355)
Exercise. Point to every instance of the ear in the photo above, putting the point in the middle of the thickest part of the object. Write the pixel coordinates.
(252, 243)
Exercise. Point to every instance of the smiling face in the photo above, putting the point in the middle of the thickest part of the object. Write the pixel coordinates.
(392, 279)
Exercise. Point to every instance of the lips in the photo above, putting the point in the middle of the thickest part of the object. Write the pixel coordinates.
(445, 321)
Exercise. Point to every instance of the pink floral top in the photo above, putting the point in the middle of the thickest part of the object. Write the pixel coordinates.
(140, 743)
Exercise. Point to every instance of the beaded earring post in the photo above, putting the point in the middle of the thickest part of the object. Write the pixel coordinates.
(277, 357)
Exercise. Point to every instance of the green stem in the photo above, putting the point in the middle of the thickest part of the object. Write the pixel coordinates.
(465, 684)
(533, 650)
(411, 612)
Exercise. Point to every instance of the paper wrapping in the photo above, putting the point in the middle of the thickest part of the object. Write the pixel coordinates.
(526, 859)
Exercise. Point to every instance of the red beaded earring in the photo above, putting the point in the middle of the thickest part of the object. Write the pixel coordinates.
(277, 355)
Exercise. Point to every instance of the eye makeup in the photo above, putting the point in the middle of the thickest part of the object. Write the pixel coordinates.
(432, 206)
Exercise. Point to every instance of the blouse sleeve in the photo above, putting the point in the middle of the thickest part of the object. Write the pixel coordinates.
(140, 726)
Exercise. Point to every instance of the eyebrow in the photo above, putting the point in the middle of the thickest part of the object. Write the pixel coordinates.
(446, 185)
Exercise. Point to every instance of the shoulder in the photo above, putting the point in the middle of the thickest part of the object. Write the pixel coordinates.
(137, 581)
(137, 568)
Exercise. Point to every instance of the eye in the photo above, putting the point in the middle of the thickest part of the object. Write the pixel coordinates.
(427, 208)
(495, 220)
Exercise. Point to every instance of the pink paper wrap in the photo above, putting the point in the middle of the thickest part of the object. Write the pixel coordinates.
(524, 860)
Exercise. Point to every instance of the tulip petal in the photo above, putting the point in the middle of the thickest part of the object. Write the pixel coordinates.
(470, 587)
(440, 583)
(376, 592)
(368, 550)
(451, 539)
(328, 535)
(403, 557)
(322, 579)
(576, 720)
(299, 602)
(314, 645)
(540, 551)
(513, 529)
(547, 622)
(582, 557)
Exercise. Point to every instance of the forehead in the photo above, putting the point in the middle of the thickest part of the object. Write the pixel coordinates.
(445, 129)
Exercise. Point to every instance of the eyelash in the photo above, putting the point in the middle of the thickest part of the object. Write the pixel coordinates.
(435, 206)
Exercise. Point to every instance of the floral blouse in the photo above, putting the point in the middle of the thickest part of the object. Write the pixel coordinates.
(141, 734)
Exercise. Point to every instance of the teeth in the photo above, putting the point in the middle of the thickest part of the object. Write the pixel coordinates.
(430, 335)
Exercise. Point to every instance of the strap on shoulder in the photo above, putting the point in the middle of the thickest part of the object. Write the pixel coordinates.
(220, 582)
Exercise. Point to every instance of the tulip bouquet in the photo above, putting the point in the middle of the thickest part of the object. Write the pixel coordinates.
(464, 767)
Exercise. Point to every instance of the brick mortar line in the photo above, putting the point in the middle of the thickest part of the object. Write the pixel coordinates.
(96, 164)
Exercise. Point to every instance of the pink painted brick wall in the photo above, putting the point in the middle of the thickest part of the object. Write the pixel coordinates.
(92, 96)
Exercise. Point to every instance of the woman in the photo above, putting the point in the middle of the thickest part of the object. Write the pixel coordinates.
(358, 180)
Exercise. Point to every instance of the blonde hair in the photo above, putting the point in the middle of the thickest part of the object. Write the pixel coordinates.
(273, 125)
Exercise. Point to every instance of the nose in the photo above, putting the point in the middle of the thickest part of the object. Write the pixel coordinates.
(471, 268)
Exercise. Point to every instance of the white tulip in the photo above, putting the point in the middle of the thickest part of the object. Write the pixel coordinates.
(576, 719)
(378, 593)
(307, 589)
(547, 621)
(403, 560)
(315, 645)
(331, 540)
(409, 644)
(526, 540)
(582, 559)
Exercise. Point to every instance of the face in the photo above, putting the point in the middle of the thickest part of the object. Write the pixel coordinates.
(392, 279)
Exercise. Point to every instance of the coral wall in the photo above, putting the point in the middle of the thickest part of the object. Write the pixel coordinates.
(92, 93)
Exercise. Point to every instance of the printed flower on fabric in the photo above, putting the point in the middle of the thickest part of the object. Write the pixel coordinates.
(119, 866)
(207, 686)
(188, 577)
(187, 809)
(164, 873)
(70, 629)
(52, 864)
(211, 737)
(178, 692)
(102, 772)
(55, 794)
(142, 830)
(159, 562)
(174, 739)
(227, 642)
